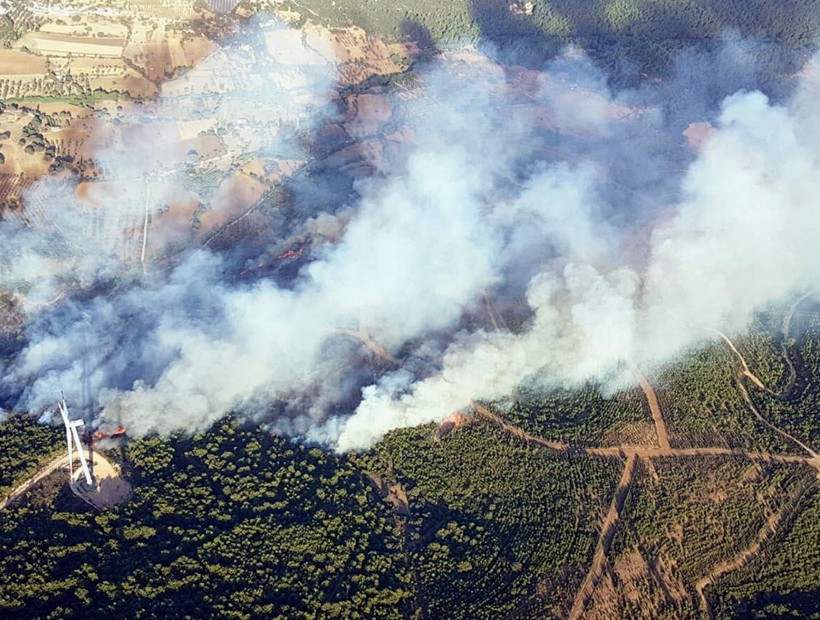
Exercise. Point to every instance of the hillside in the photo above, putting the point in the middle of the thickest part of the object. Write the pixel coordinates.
(411, 309)
(478, 523)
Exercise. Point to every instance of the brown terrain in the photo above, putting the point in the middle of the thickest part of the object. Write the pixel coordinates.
(607, 529)
(110, 488)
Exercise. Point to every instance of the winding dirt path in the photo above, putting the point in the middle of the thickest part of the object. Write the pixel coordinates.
(644, 452)
(747, 374)
(22, 488)
(744, 391)
(632, 454)
(111, 488)
(518, 432)
(604, 540)
(364, 337)
(747, 554)
(746, 371)
(784, 344)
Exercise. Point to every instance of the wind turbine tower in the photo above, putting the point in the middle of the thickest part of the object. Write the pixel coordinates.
(72, 437)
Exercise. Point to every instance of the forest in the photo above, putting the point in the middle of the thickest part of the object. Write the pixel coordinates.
(622, 36)
(473, 523)
(26, 446)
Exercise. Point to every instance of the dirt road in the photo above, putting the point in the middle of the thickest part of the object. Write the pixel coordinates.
(657, 414)
(747, 397)
(632, 454)
(364, 337)
(604, 540)
(517, 431)
(645, 452)
(110, 488)
(47, 469)
(747, 554)
(746, 371)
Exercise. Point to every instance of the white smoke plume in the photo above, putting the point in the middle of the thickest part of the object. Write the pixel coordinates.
(530, 187)
(745, 234)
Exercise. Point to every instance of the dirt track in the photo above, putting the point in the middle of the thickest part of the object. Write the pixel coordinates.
(111, 488)
(645, 452)
(747, 374)
(604, 540)
(48, 469)
(657, 414)
(747, 554)
(362, 335)
(517, 431)
(746, 370)
(632, 453)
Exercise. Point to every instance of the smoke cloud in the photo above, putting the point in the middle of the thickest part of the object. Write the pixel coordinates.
(530, 227)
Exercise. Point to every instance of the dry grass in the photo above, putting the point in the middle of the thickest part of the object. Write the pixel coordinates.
(48, 43)
(14, 62)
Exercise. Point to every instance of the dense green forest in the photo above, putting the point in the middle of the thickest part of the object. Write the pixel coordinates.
(241, 524)
(646, 19)
(26, 446)
(475, 523)
(234, 523)
(645, 34)
(586, 416)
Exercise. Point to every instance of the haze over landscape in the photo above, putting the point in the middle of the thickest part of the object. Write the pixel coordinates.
(315, 258)
(474, 204)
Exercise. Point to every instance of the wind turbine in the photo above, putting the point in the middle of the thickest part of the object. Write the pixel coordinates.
(72, 437)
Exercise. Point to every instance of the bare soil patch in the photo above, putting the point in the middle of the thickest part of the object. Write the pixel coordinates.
(50, 43)
(14, 62)
(111, 489)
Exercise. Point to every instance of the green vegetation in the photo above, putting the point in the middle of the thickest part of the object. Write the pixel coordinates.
(84, 99)
(18, 20)
(495, 528)
(647, 19)
(237, 523)
(585, 416)
(476, 524)
(234, 523)
(650, 33)
(796, 411)
(704, 407)
(784, 580)
(761, 347)
(688, 516)
(26, 446)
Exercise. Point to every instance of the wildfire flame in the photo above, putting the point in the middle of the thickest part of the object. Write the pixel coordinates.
(116, 433)
(292, 253)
